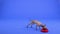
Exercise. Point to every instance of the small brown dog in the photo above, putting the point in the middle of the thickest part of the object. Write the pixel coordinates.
(38, 24)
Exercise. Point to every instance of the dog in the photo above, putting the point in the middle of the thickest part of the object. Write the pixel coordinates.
(38, 24)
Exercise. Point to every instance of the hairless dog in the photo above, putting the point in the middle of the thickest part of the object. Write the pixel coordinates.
(38, 24)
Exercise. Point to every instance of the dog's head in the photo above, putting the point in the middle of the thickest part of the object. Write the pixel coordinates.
(43, 25)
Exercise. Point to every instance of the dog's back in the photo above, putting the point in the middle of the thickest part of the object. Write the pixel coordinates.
(36, 22)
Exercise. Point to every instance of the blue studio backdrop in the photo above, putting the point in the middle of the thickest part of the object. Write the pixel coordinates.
(15, 14)
(30, 9)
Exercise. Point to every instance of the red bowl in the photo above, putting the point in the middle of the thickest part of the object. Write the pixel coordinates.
(44, 30)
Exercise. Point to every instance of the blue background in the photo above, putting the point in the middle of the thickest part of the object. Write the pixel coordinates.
(15, 14)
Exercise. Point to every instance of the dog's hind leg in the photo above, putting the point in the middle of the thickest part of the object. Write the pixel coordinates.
(30, 25)
(39, 27)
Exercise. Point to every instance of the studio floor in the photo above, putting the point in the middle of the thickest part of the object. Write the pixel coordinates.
(19, 27)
